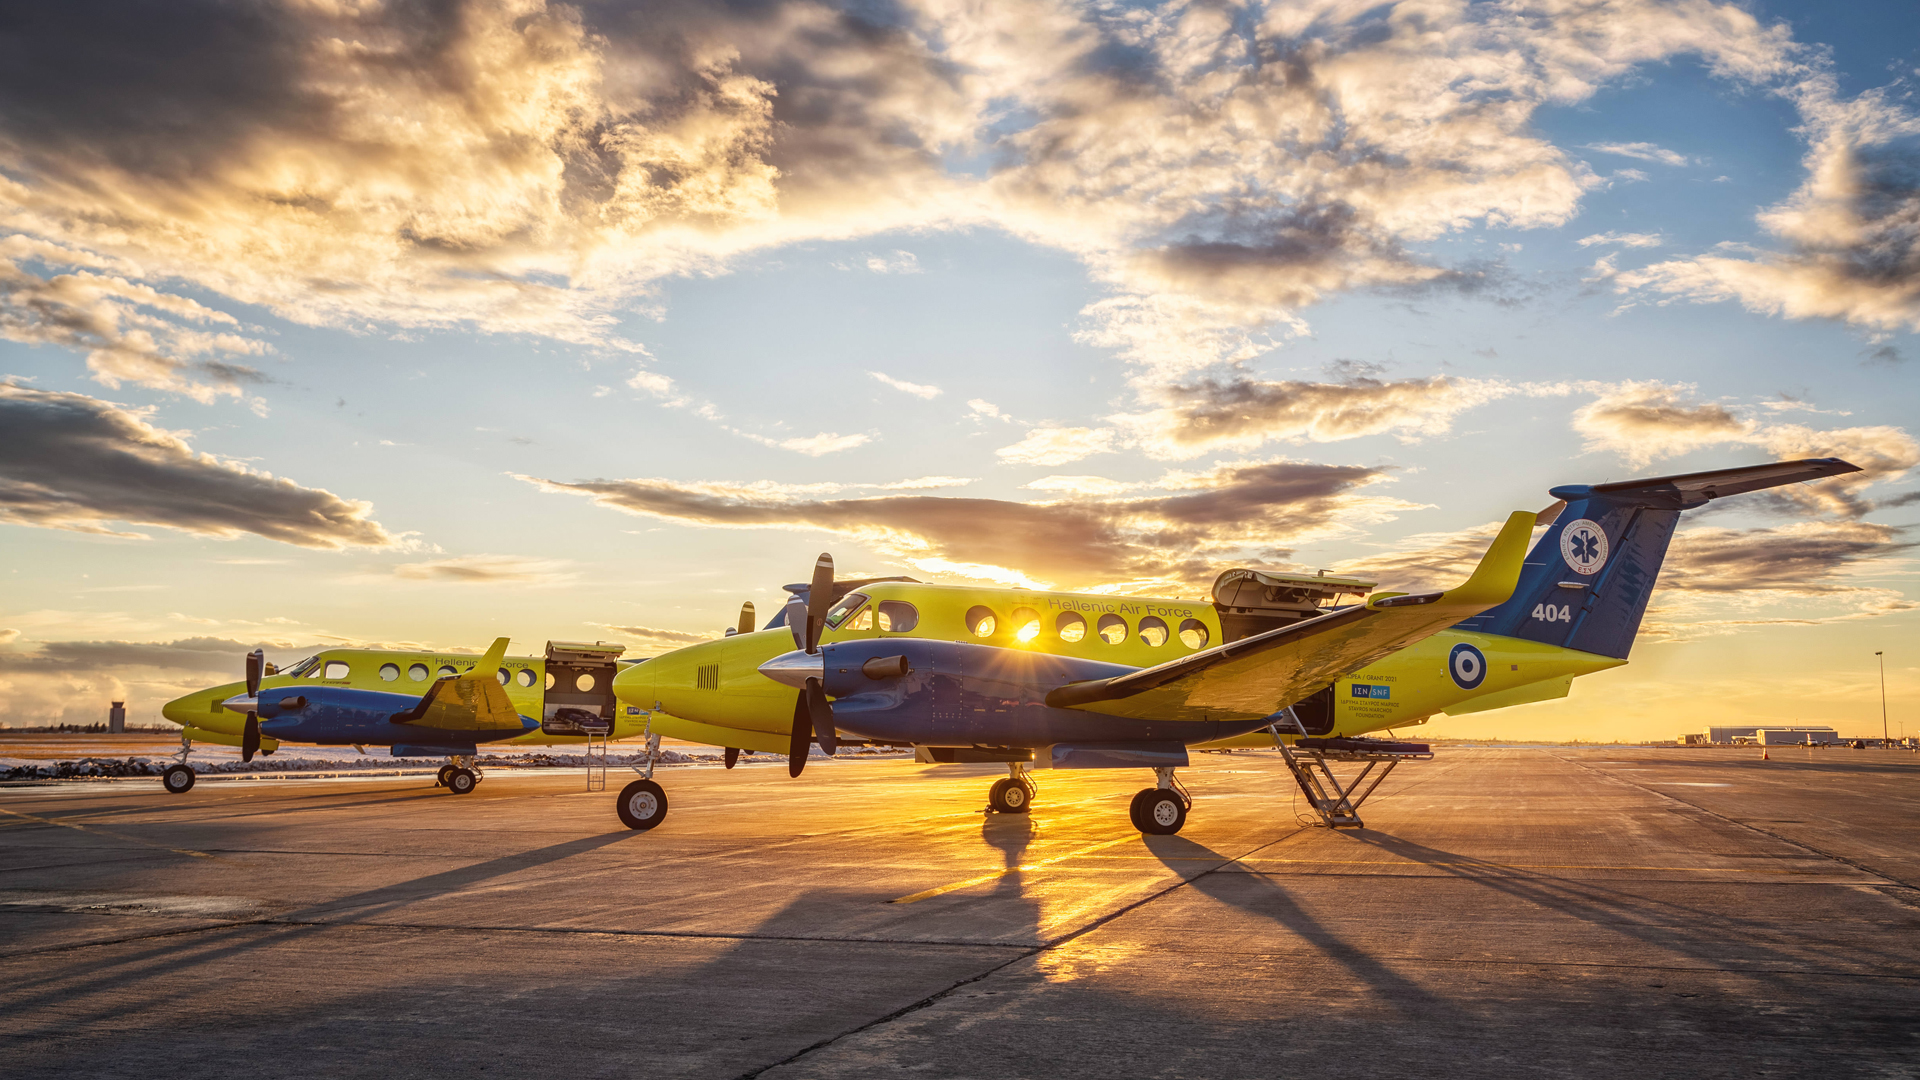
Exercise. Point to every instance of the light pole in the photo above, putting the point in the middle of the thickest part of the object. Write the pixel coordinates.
(1883, 700)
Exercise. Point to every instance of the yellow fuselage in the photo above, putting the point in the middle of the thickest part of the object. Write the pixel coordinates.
(713, 692)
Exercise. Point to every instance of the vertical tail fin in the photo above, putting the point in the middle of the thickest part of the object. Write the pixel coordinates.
(1586, 583)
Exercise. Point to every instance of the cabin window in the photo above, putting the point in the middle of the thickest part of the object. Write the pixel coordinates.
(336, 669)
(1026, 624)
(418, 673)
(446, 670)
(980, 621)
(1113, 629)
(584, 683)
(1070, 626)
(549, 680)
(524, 676)
(1193, 634)
(389, 672)
(848, 604)
(1153, 631)
(504, 676)
(898, 616)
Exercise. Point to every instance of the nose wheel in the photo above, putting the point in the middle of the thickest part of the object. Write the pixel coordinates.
(1010, 796)
(642, 805)
(178, 779)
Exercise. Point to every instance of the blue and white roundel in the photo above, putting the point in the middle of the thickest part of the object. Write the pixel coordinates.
(1584, 545)
(1467, 665)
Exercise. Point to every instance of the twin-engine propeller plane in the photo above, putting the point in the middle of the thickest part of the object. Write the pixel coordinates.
(1076, 681)
(357, 697)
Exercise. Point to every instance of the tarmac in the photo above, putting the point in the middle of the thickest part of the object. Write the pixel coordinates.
(1518, 912)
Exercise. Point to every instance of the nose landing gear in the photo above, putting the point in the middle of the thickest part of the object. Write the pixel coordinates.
(1014, 794)
(178, 778)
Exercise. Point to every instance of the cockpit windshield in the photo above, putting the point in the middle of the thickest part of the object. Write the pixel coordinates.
(302, 667)
(848, 604)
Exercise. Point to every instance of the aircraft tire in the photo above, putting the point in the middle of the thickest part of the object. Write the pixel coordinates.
(441, 781)
(642, 805)
(460, 781)
(178, 779)
(1009, 796)
(1158, 812)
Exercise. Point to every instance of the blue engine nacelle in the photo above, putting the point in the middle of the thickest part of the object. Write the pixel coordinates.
(342, 716)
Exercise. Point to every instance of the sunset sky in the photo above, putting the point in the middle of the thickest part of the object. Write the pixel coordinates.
(347, 322)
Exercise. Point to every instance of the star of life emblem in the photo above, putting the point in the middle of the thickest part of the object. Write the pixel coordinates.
(1584, 545)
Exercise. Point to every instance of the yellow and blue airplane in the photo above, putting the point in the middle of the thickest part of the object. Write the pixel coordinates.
(1069, 681)
(419, 704)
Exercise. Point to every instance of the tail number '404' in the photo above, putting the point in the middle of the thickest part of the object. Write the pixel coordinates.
(1553, 612)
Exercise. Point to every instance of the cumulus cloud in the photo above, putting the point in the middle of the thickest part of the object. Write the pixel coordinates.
(916, 389)
(1643, 151)
(69, 461)
(641, 640)
(827, 442)
(485, 570)
(1644, 422)
(533, 168)
(924, 483)
(1631, 240)
(1850, 234)
(1058, 446)
(1245, 512)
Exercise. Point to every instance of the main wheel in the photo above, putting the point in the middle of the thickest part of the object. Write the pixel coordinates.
(1009, 796)
(460, 781)
(642, 805)
(1159, 812)
(178, 779)
(442, 780)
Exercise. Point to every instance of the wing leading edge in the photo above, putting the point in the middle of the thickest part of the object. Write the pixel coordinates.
(474, 701)
(1259, 675)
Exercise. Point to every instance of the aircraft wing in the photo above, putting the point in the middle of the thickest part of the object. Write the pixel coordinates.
(1259, 675)
(474, 701)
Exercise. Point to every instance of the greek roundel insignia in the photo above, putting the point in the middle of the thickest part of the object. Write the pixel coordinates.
(1467, 665)
(1584, 545)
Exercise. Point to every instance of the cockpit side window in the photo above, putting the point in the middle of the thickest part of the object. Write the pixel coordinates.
(848, 604)
(302, 667)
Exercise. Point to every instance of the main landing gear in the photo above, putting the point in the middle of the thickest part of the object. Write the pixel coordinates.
(1161, 810)
(461, 774)
(1014, 794)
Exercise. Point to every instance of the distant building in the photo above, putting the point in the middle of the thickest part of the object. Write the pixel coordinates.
(1772, 735)
(117, 718)
(1694, 740)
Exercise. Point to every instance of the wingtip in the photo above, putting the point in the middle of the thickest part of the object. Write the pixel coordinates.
(1498, 574)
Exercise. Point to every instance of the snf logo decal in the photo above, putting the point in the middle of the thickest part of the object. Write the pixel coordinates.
(1584, 545)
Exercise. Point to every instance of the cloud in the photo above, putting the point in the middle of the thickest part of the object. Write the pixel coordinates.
(1243, 412)
(642, 639)
(1632, 240)
(897, 262)
(529, 168)
(486, 570)
(924, 483)
(1644, 422)
(1850, 234)
(820, 445)
(916, 389)
(980, 409)
(1643, 151)
(1242, 512)
(1082, 485)
(199, 654)
(1057, 446)
(73, 462)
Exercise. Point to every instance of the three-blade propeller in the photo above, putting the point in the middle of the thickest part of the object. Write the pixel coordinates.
(250, 735)
(812, 714)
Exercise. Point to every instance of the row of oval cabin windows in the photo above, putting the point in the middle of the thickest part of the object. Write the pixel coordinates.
(337, 669)
(1071, 626)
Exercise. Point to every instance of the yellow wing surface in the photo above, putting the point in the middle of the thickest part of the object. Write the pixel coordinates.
(472, 702)
(1259, 675)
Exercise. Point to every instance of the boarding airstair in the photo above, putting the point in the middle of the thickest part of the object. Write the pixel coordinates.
(596, 753)
(1309, 758)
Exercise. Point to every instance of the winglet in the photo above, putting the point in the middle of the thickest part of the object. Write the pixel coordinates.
(491, 661)
(1493, 580)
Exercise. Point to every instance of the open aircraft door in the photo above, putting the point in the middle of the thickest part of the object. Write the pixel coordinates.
(579, 698)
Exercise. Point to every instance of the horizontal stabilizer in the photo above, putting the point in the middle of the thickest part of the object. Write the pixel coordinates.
(1688, 490)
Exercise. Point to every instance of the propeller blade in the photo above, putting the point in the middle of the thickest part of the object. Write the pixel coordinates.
(802, 727)
(746, 618)
(250, 736)
(819, 599)
(733, 756)
(256, 663)
(820, 714)
(797, 623)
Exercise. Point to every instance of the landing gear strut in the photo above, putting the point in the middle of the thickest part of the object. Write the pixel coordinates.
(1014, 794)
(178, 778)
(1161, 810)
(643, 803)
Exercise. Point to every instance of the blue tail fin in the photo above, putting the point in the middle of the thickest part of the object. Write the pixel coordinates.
(1586, 582)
